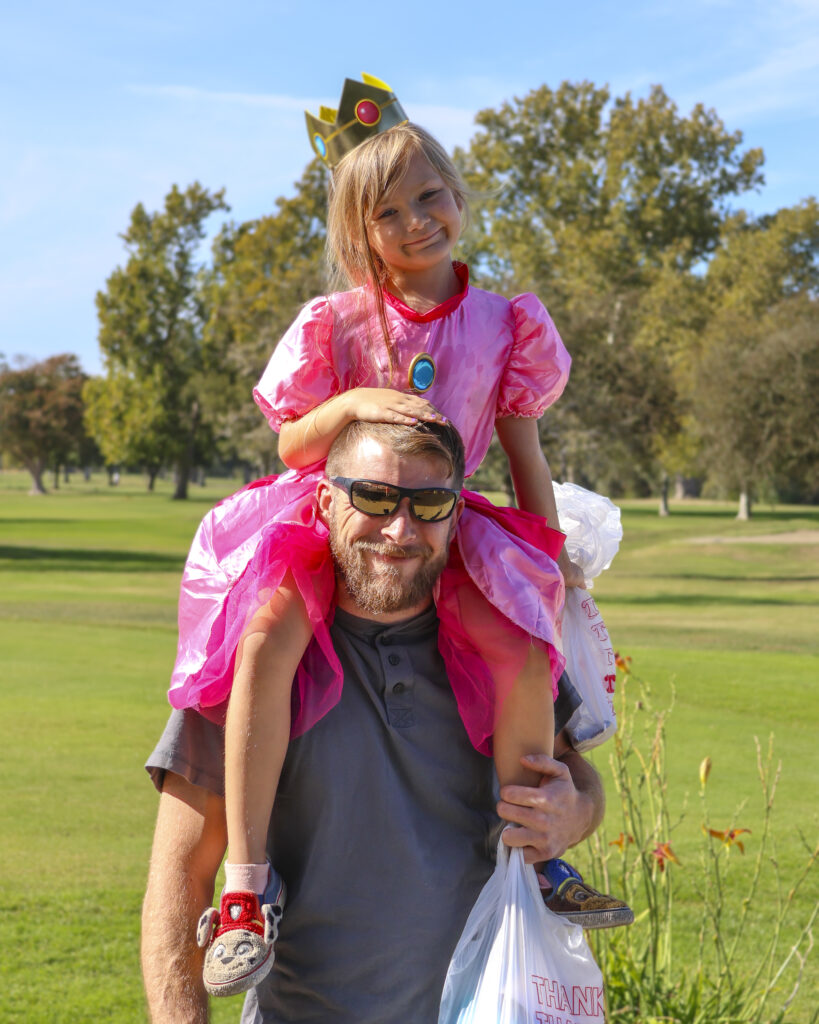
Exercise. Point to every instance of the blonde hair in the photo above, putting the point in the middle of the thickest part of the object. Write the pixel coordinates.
(358, 184)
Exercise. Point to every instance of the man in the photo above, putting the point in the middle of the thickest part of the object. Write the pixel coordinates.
(384, 823)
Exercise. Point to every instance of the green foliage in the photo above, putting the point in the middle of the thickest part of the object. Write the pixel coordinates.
(758, 373)
(263, 272)
(152, 316)
(743, 973)
(126, 414)
(602, 208)
(41, 413)
(616, 211)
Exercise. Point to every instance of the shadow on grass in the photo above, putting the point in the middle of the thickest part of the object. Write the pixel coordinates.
(740, 578)
(766, 514)
(694, 600)
(89, 559)
(29, 520)
(704, 577)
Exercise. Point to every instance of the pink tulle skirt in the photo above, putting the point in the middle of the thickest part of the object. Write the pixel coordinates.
(501, 591)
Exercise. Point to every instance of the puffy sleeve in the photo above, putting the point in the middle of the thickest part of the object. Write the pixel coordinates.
(538, 365)
(300, 374)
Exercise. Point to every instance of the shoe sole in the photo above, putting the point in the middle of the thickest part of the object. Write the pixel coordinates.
(601, 918)
(244, 982)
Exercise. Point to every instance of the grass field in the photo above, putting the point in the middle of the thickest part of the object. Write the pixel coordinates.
(723, 613)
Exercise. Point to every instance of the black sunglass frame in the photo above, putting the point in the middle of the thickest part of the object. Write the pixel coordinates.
(347, 483)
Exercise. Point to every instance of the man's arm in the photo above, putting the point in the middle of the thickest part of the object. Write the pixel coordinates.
(189, 843)
(564, 809)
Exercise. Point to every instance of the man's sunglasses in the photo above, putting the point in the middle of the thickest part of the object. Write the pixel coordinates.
(373, 498)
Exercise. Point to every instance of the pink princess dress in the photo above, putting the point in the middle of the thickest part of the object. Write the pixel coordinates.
(501, 589)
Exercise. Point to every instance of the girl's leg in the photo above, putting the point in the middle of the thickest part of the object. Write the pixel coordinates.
(525, 725)
(240, 936)
(525, 721)
(257, 730)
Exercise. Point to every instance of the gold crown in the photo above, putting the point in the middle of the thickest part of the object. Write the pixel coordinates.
(366, 108)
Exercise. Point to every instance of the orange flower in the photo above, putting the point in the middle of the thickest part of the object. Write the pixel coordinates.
(728, 836)
(622, 662)
(622, 840)
(663, 852)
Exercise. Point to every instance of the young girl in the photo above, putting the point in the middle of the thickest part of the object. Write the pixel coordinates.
(411, 323)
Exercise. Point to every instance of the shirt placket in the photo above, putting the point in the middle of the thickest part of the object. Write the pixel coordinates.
(399, 689)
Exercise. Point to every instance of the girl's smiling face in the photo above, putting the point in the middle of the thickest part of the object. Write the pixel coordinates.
(414, 226)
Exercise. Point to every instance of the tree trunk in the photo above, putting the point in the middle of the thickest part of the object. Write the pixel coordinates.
(184, 464)
(152, 472)
(663, 510)
(56, 476)
(744, 512)
(182, 474)
(36, 471)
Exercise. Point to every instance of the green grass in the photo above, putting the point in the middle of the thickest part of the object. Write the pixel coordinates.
(88, 583)
(727, 630)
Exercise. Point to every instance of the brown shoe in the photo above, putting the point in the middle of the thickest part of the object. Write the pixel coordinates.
(571, 898)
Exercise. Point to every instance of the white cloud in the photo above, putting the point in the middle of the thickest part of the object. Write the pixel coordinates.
(786, 80)
(244, 99)
(456, 121)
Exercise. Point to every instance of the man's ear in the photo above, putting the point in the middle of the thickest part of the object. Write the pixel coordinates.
(324, 499)
(456, 515)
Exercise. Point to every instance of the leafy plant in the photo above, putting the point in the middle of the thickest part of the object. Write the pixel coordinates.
(645, 983)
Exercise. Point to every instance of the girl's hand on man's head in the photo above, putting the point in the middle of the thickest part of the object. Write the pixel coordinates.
(385, 405)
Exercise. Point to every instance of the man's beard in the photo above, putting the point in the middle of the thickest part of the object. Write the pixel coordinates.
(384, 589)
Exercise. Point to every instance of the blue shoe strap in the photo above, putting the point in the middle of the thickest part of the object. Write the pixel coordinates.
(273, 887)
(558, 871)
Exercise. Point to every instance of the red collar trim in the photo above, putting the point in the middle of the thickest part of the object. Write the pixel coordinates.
(444, 309)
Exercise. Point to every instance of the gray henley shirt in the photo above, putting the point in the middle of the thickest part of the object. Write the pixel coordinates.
(383, 829)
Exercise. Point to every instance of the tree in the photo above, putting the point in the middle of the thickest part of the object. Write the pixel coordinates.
(127, 416)
(757, 391)
(757, 378)
(263, 271)
(41, 413)
(152, 316)
(593, 205)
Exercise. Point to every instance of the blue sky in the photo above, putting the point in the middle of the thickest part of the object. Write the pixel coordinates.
(105, 105)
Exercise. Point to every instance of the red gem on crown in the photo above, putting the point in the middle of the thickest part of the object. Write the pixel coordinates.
(368, 112)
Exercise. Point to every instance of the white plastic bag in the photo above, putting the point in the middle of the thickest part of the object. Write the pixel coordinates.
(518, 963)
(592, 526)
(593, 534)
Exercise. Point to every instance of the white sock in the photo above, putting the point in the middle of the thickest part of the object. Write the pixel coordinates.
(247, 877)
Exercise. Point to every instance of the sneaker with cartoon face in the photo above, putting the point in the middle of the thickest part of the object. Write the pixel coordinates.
(239, 938)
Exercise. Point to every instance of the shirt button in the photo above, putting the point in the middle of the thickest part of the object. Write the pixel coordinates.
(393, 659)
(398, 688)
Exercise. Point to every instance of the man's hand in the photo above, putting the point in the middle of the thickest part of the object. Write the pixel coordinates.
(562, 810)
(572, 573)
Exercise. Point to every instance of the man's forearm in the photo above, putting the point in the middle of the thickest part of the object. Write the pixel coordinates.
(171, 960)
(187, 851)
